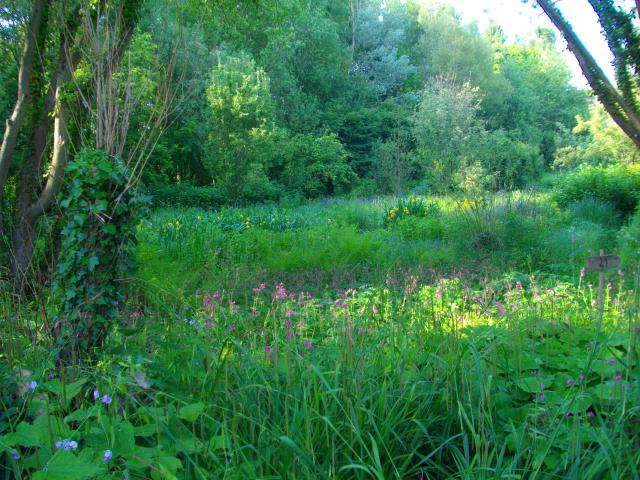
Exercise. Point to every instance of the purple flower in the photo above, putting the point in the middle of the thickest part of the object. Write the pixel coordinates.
(308, 344)
(96, 394)
(626, 386)
(67, 444)
(281, 292)
(542, 386)
(340, 304)
(52, 376)
(570, 382)
(32, 385)
(541, 397)
(618, 377)
(581, 377)
(233, 327)
(360, 331)
(267, 349)
(15, 455)
(108, 456)
(591, 413)
(289, 334)
(501, 310)
(106, 399)
(290, 313)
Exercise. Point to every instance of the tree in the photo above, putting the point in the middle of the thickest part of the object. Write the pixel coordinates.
(447, 128)
(624, 42)
(241, 113)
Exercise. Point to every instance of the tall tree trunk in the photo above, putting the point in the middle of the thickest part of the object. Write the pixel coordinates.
(13, 124)
(620, 110)
(23, 237)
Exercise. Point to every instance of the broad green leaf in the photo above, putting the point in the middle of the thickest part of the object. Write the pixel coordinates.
(124, 443)
(26, 435)
(191, 412)
(67, 466)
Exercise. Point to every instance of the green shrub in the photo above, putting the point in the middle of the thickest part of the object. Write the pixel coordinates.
(185, 195)
(629, 244)
(414, 228)
(317, 167)
(601, 212)
(412, 207)
(617, 184)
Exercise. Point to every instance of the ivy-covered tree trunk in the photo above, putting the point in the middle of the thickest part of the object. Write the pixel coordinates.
(98, 234)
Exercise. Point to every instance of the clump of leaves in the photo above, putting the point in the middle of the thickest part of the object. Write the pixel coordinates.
(412, 207)
(97, 239)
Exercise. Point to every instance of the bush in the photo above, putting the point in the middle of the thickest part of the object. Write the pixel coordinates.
(186, 196)
(412, 207)
(317, 167)
(596, 211)
(629, 244)
(617, 184)
(414, 228)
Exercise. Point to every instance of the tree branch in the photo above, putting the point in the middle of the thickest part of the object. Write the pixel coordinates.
(620, 110)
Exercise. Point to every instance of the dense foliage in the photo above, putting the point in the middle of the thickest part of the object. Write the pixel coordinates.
(270, 90)
(365, 258)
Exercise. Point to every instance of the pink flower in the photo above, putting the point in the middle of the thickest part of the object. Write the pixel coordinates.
(438, 293)
(360, 331)
(375, 310)
(340, 304)
(287, 323)
(501, 309)
(289, 334)
(233, 327)
(267, 349)
(280, 293)
(290, 313)
(583, 272)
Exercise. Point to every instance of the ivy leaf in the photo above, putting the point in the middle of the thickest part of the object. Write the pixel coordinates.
(93, 262)
(109, 228)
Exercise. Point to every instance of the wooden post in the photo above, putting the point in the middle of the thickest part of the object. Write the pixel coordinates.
(600, 264)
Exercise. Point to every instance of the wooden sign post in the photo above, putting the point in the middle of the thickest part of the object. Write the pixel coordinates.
(600, 264)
